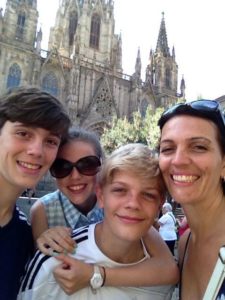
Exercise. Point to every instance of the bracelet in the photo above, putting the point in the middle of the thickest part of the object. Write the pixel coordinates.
(104, 276)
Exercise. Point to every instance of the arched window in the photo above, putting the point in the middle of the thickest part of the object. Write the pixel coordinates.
(14, 76)
(20, 25)
(72, 26)
(50, 84)
(95, 31)
(167, 78)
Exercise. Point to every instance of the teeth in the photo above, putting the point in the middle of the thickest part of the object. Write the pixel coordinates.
(184, 178)
(29, 166)
(77, 187)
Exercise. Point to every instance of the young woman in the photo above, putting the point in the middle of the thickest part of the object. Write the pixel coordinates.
(192, 161)
(74, 204)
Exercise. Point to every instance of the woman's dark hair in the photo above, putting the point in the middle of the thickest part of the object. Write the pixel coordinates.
(80, 134)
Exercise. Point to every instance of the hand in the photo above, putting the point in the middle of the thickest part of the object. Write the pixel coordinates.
(72, 274)
(56, 239)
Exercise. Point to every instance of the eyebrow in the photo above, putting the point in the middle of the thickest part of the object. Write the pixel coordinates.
(189, 139)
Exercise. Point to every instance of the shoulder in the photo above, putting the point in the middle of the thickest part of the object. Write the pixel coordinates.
(182, 245)
(50, 198)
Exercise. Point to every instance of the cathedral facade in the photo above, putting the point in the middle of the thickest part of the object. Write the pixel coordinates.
(83, 64)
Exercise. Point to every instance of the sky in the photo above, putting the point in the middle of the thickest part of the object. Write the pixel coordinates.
(194, 27)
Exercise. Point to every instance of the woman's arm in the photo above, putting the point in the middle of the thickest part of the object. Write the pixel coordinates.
(39, 220)
(53, 239)
(160, 269)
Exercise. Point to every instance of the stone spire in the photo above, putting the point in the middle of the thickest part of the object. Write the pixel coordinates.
(138, 64)
(182, 87)
(162, 44)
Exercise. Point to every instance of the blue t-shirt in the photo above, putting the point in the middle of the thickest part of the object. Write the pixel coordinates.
(16, 248)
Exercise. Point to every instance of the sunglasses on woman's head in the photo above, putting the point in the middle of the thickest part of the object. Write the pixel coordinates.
(205, 108)
(88, 165)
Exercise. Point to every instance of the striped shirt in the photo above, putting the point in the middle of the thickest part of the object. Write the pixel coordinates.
(40, 284)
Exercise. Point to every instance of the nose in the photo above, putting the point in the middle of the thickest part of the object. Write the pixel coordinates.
(133, 201)
(36, 148)
(75, 173)
(181, 157)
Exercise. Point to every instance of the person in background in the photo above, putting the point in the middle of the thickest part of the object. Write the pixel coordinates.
(131, 190)
(192, 161)
(183, 225)
(167, 226)
(74, 204)
(32, 124)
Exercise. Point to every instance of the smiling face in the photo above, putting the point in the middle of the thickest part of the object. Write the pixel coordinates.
(191, 160)
(26, 153)
(78, 188)
(130, 205)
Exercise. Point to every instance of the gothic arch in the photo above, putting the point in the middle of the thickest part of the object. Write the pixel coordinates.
(50, 84)
(104, 104)
(95, 31)
(14, 76)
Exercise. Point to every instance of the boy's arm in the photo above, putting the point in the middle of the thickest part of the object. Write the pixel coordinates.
(160, 269)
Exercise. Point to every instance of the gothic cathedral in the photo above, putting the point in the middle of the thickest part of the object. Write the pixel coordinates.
(83, 63)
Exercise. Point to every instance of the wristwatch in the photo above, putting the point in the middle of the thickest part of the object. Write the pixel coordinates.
(96, 280)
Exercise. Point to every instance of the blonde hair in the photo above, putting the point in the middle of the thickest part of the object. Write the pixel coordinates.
(133, 158)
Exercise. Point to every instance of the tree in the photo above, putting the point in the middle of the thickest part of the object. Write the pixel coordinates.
(138, 130)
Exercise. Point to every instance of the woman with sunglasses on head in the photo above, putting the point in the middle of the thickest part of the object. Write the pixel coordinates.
(192, 161)
(74, 203)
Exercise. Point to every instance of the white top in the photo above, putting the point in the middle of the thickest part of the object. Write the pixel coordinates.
(40, 284)
(167, 227)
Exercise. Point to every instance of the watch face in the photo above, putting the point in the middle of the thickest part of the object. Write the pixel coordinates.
(96, 281)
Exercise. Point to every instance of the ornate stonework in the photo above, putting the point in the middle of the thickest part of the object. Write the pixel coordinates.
(83, 64)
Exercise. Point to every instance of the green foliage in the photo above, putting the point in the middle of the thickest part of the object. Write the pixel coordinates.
(138, 130)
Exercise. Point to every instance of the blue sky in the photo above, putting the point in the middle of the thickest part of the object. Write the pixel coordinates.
(195, 28)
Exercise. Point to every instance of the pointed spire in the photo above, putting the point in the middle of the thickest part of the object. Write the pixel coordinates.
(173, 53)
(162, 44)
(38, 41)
(182, 87)
(119, 52)
(138, 64)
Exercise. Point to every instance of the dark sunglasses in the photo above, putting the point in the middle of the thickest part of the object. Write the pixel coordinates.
(202, 108)
(89, 166)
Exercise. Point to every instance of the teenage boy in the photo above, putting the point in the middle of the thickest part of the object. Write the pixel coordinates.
(32, 124)
(131, 191)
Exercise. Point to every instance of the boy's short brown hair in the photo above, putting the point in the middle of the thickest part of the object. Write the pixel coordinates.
(36, 108)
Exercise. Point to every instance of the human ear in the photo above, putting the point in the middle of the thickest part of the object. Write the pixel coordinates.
(99, 195)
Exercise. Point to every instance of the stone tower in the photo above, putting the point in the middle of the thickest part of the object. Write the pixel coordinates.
(18, 36)
(163, 70)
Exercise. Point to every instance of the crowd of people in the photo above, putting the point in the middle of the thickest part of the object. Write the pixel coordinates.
(95, 233)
